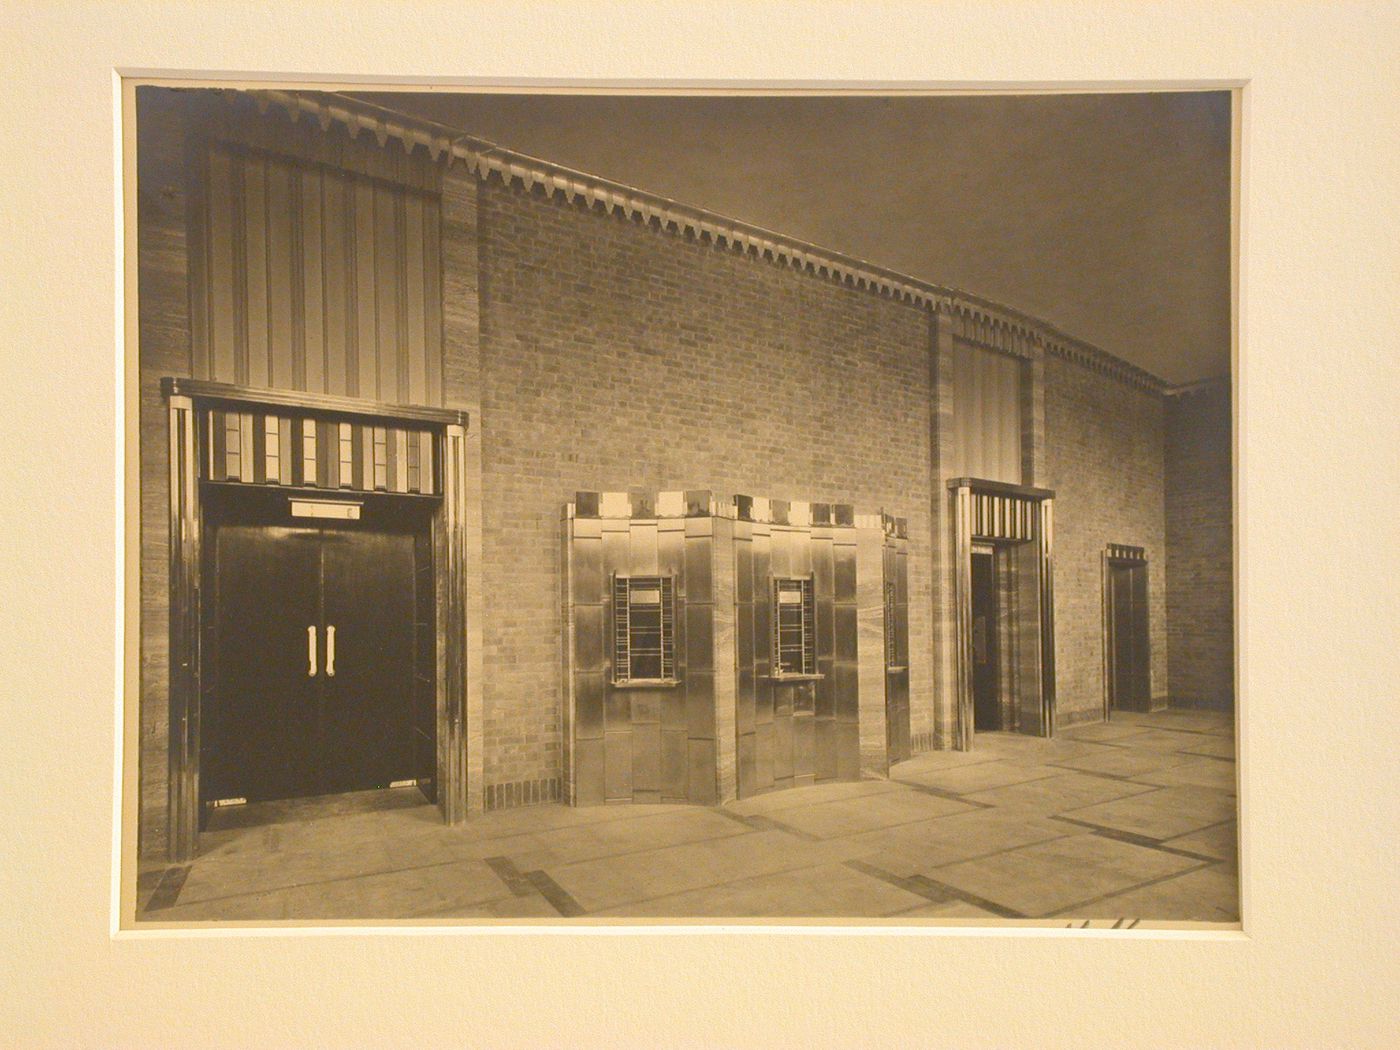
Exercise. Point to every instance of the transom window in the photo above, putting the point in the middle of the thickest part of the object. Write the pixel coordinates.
(644, 632)
(794, 627)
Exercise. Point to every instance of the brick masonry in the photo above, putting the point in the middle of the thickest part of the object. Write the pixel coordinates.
(1200, 570)
(616, 355)
(1104, 448)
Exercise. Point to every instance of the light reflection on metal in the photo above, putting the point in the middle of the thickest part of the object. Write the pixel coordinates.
(998, 514)
(335, 510)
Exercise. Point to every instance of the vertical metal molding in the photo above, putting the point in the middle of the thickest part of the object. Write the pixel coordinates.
(184, 631)
(871, 678)
(452, 750)
(962, 568)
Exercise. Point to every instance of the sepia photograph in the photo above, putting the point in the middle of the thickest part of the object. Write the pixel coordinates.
(626, 507)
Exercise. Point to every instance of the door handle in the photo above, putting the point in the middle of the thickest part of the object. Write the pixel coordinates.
(330, 650)
(311, 651)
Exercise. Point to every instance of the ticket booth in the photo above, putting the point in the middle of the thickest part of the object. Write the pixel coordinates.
(720, 648)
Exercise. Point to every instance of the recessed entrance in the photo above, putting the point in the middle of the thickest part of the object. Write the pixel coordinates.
(321, 645)
(317, 600)
(1005, 640)
(1127, 653)
(986, 692)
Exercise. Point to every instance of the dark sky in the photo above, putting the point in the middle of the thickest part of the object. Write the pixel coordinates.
(1105, 214)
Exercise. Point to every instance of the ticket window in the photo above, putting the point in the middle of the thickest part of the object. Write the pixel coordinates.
(644, 638)
(794, 627)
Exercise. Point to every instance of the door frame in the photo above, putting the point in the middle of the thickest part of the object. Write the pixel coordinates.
(188, 400)
(1001, 513)
(1119, 554)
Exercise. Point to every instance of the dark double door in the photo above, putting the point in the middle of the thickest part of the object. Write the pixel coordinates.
(313, 633)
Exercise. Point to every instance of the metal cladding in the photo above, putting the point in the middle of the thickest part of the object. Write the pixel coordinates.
(895, 562)
(770, 588)
(640, 570)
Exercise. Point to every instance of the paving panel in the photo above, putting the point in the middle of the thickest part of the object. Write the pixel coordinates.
(1058, 793)
(1161, 814)
(852, 816)
(1046, 877)
(825, 891)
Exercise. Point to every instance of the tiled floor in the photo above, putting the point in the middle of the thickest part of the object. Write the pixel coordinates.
(1122, 823)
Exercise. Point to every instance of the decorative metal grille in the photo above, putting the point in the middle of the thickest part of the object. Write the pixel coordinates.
(794, 627)
(998, 517)
(644, 629)
(317, 452)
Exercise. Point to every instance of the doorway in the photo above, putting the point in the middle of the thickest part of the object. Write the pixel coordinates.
(320, 639)
(1128, 675)
(986, 694)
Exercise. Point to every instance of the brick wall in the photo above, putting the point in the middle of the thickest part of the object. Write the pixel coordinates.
(615, 355)
(1200, 604)
(1104, 448)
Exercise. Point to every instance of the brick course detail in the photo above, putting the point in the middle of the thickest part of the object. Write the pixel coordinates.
(1200, 567)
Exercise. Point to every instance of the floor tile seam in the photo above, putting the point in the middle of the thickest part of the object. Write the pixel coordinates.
(944, 793)
(1212, 827)
(1152, 790)
(1127, 743)
(784, 870)
(901, 823)
(1049, 813)
(1157, 881)
(1028, 780)
(331, 881)
(652, 849)
(1215, 758)
(1120, 777)
(804, 802)
(967, 897)
(902, 882)
(1184, 784)
(175, 878)
(1133, 838)
(558, 898)
(729, 882)
(1004, 849)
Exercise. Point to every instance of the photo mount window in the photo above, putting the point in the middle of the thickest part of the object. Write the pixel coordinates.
(644, 629)
(794, 627)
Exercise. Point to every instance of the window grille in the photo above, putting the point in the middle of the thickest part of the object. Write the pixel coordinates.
(644, 632)
(794, 627)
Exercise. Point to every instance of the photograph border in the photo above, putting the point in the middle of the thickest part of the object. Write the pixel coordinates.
(128, 709)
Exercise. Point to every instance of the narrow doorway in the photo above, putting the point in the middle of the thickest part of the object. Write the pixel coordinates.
(986, 694)
(1127, 648)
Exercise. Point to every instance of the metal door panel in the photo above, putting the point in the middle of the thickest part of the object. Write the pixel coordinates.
(1025, 558)
(368, 605)
(259, 730)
